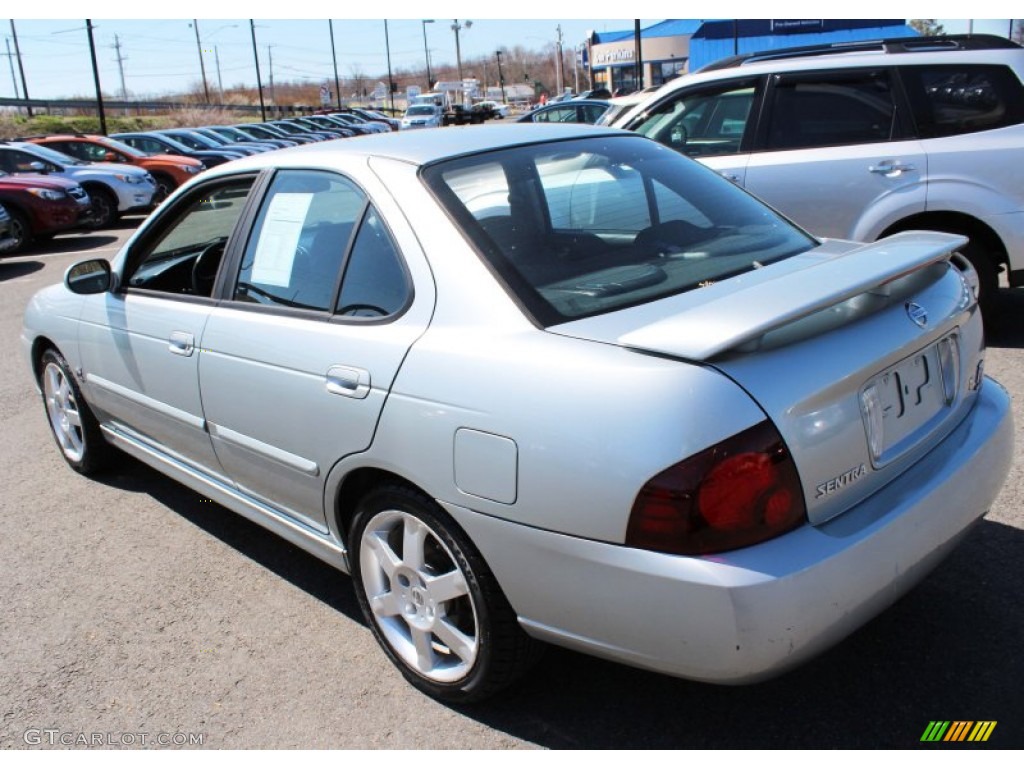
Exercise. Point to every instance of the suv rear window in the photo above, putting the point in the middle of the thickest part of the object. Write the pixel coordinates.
(950, 100)
(583, 227)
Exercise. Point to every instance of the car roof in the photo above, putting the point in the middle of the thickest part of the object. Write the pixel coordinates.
(424, 147)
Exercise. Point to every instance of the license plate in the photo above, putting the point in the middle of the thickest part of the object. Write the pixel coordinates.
(901, 404)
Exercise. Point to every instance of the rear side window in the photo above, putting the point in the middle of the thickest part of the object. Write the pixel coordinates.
(950, 100)
(831, 109)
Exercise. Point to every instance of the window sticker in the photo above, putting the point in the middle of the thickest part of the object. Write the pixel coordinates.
(279, 238)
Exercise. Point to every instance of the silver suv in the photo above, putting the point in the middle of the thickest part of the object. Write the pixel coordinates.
(861, 141)
(113, 188)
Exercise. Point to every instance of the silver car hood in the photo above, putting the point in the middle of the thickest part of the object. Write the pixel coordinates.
(805, 338)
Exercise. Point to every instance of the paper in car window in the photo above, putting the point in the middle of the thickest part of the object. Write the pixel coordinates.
(279, 238)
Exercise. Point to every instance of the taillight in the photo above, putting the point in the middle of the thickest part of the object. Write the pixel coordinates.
(740, 492)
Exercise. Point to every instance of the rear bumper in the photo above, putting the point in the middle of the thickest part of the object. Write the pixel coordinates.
(750, 614)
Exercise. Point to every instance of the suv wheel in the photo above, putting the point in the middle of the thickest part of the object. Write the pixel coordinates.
(20, 231)
(103, 211)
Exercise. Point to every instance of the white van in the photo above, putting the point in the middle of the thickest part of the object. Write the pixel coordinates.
(422, 116)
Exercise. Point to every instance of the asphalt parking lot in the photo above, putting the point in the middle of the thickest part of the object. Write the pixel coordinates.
(135, 613)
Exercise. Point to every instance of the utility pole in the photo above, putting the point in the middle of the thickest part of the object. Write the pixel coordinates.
(202, 66)
(259, 82)
(334, 58)
(575, 68)
(21, 66)
(10, 60)
(426, 52)
(220, 83)
(96, 78)
(391, 82)
(270, 66)
(120, 68)
(559, 75)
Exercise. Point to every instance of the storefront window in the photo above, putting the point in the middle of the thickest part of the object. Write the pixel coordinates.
(624, 80)
(666, 70)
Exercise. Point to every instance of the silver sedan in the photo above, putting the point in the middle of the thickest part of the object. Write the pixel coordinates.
(542, 384)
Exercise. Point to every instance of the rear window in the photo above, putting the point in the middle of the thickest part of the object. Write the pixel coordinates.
(950, 100)
(583, 227)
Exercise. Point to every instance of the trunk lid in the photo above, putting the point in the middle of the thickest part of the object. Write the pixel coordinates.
(863, 356)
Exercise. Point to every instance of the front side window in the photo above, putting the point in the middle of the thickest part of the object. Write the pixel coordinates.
(831, 109)
(297, 247)
(583, 227)
(701, 123)
(15, 161)
(319, 245)
(183, 256)
(951, 100)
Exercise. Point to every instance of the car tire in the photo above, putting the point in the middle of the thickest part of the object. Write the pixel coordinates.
(103, 209)
(20, 231)
(431, 601)
(164, 186)
(72, 423)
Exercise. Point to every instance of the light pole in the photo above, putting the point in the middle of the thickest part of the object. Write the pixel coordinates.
(501, 77)
(426, 53)
(458, 51)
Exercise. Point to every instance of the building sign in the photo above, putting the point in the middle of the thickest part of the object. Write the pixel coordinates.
(612, 57)
(786, 26)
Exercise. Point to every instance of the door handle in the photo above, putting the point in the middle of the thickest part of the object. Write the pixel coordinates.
(181, 343)
(891, 168)
(347, 381)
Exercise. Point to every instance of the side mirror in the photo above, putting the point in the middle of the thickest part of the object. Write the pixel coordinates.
(88, 277)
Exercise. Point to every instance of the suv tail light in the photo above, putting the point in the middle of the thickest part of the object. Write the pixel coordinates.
(740, 492)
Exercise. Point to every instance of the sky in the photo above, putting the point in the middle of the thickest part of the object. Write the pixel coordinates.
(160, 56)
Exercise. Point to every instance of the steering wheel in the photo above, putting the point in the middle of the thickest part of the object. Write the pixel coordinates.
(204, 268)
(351, 309)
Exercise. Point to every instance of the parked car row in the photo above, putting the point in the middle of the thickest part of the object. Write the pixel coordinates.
(50, 184)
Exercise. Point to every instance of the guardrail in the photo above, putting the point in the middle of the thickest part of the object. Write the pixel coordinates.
(58, 106)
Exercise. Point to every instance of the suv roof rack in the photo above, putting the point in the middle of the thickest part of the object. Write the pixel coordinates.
(979, 42)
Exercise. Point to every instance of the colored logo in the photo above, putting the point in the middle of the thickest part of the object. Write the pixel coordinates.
(958, 730)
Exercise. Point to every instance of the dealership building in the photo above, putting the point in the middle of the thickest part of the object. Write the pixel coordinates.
(674, 46)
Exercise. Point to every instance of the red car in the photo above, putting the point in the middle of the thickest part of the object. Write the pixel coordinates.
(40, 206)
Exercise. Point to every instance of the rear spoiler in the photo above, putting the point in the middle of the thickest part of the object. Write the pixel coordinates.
(749, 313)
